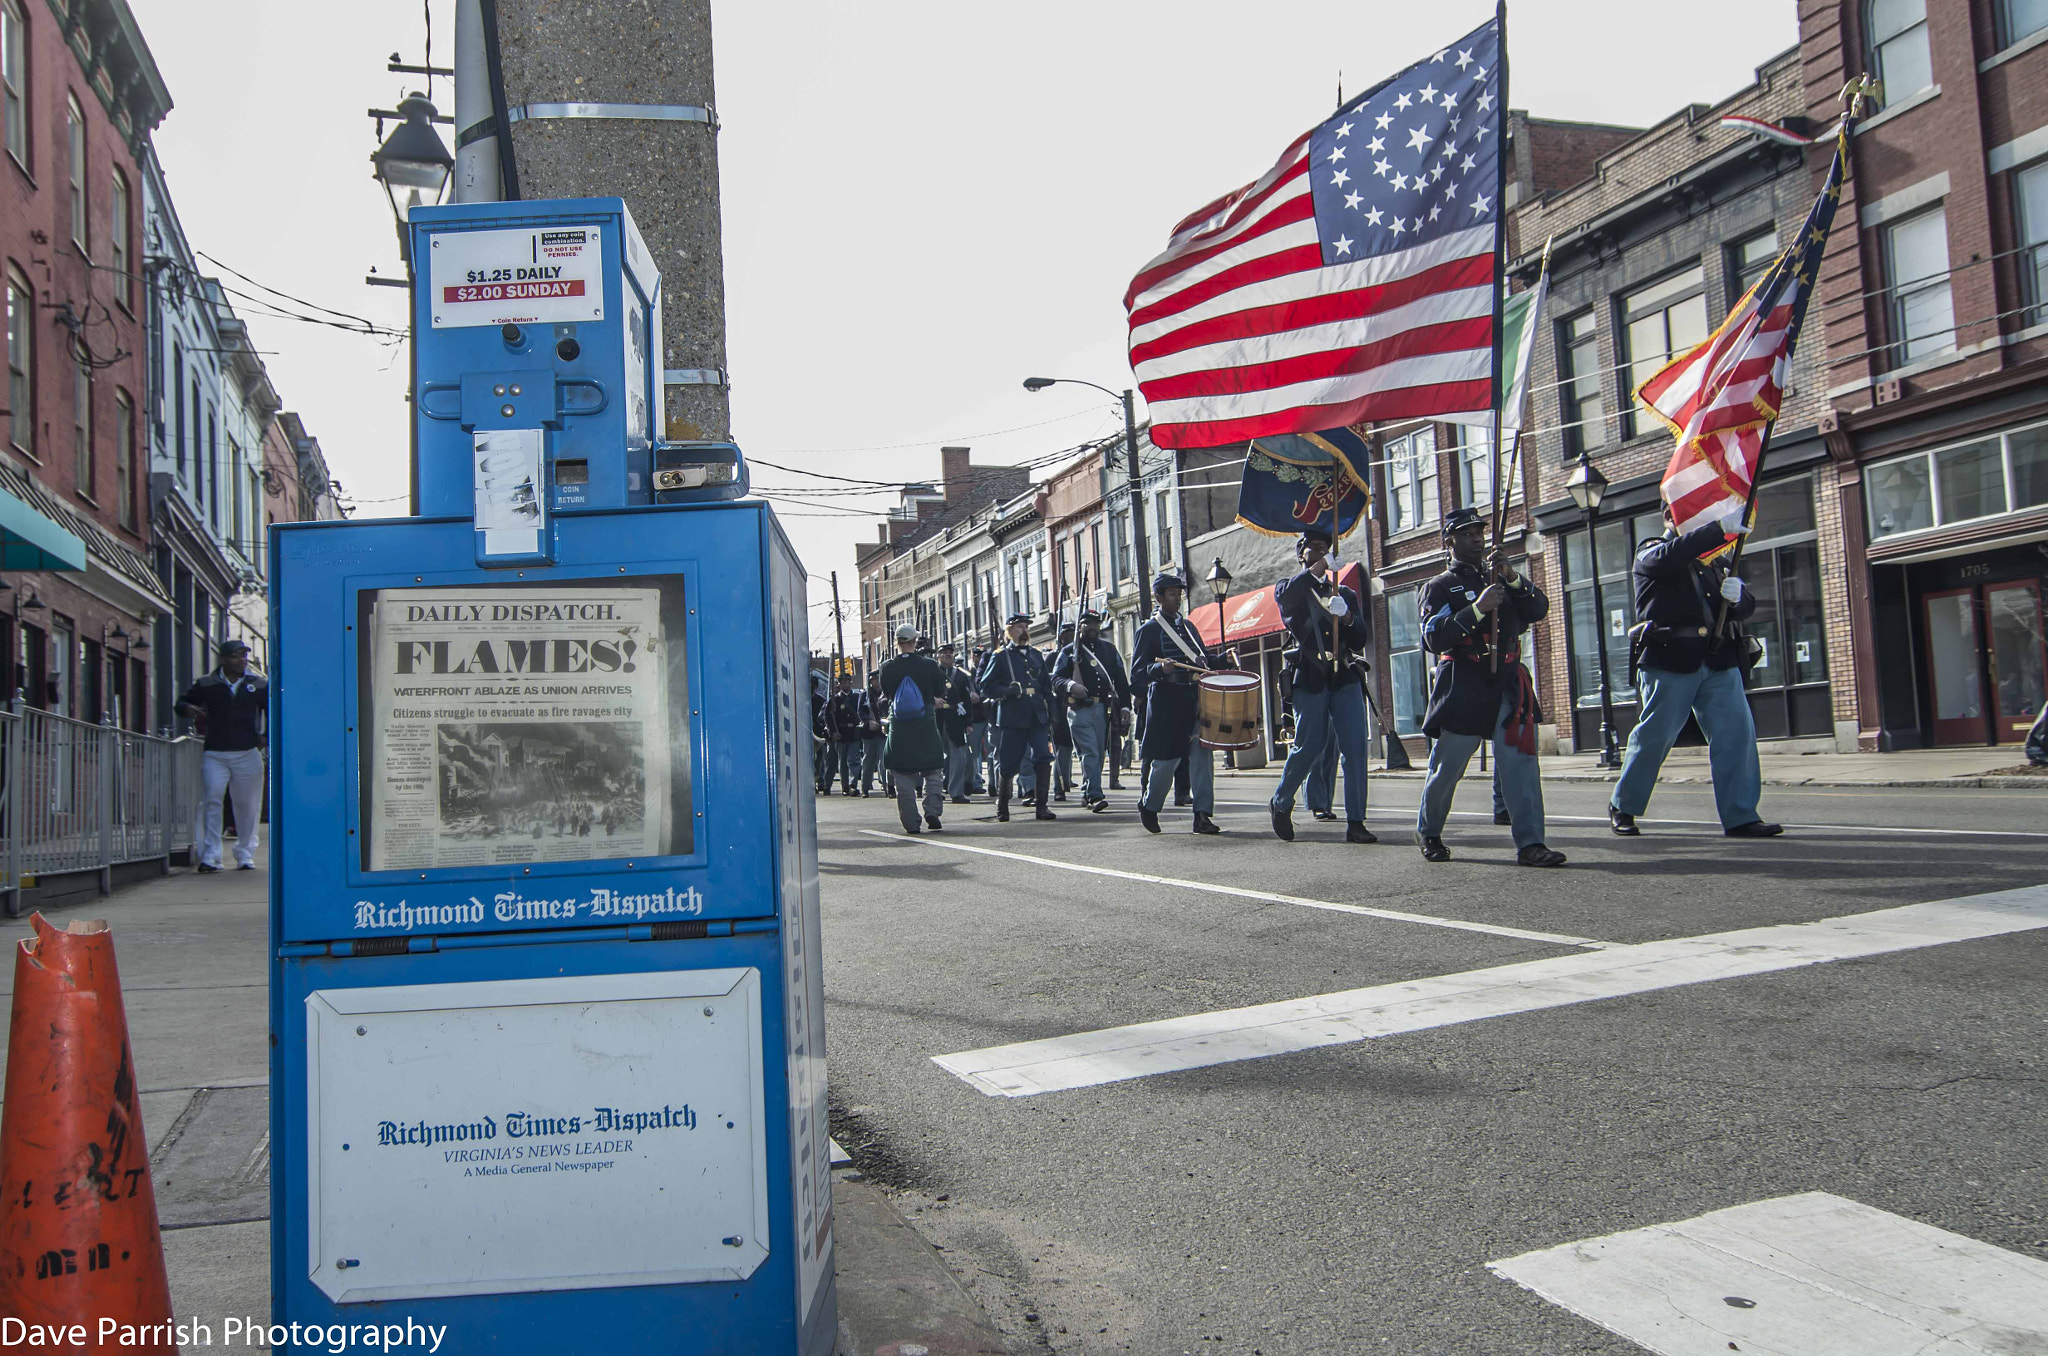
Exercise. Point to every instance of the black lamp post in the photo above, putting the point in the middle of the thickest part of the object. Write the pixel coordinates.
(1137, 477)
(412, 159)
(1587, 487)
(1219, 584)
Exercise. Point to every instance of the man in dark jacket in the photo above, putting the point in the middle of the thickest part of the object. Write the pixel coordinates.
(1089, 675)
(871, 737)
(1693, 663)
(1165, 659)
(1015, 678)
(232, 705)
(953, 713)
(1474, 615)
(914, 752)
(847, 715)
(1327, 630)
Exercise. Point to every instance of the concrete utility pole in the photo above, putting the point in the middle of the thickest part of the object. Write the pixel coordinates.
(614, 98)
(838, 629)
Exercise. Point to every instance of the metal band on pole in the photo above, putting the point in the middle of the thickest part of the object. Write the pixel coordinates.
(694, 376)
(639, 112)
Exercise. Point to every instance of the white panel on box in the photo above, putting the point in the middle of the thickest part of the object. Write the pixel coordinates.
(536, 1134)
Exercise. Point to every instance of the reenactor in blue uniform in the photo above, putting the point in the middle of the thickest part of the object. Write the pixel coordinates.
(1165, 658)
(848, 718)
(1089, 676)
(1328, 634)
(1690, 663)
(1476, 696)
(1016, 680)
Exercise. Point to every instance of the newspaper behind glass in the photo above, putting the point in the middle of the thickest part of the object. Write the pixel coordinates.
(516, 725)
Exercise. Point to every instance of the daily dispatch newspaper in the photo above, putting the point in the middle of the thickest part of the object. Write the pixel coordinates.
(516, 725)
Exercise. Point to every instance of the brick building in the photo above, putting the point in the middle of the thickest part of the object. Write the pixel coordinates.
(1638, 275)
(904, 574)
(79, 95)
(1935, 297)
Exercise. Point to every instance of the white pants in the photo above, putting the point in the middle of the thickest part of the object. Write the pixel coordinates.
(241, 773)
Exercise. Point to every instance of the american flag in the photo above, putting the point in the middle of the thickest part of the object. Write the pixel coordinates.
(1720, 399)
(1353, 281)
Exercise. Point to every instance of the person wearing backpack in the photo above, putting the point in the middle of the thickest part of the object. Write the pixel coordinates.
(914, 753)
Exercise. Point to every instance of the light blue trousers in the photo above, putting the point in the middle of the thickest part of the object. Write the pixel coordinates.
(1334, 717)
(1201, 779)
(1716, 697)
(1515, 773)
(1090, 725)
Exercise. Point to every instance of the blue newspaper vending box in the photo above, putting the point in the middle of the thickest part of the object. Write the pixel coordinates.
(547, 1058)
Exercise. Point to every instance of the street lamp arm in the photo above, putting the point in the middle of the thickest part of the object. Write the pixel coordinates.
(1040, 383)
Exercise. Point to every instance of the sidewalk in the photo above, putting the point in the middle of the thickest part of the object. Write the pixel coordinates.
(1978, 768)
(193, 953)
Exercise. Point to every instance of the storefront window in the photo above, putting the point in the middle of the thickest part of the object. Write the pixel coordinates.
(1781, 568)
(1617, 541)
(1410, 668)
(1950, 485)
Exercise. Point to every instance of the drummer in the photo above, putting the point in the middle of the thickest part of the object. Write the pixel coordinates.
(1327, 632)
(1165, 660)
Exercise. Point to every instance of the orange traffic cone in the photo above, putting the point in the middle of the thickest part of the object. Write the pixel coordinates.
(78, 1233)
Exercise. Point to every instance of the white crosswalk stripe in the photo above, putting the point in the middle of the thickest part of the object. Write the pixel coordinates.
(1094, 1057)
(1806, 1275)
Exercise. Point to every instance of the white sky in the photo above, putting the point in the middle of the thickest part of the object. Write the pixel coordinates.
(925, 201)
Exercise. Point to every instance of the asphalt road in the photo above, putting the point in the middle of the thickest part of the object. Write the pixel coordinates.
(1349, 1198)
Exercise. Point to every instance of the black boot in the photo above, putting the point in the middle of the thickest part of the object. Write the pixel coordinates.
(1003, 801)
(1356, 832)
(1283, 825)
(1204, 824)
(1041, 782)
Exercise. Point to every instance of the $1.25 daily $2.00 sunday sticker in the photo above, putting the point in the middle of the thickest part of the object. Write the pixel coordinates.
(553, 275)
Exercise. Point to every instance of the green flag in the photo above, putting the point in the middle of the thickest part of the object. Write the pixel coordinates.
(1518, 321)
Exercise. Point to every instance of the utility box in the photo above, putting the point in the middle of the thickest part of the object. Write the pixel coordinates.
(546, 1004)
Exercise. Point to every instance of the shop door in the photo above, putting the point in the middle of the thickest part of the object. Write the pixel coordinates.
(1954, 664)
(2019, 659)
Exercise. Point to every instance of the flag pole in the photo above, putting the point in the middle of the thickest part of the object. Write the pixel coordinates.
(1854, 94)
(1500, 208)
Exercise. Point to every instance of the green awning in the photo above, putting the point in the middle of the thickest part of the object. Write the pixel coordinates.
(30, 541)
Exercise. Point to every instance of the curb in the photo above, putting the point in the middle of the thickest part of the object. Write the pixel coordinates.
(897, 1296)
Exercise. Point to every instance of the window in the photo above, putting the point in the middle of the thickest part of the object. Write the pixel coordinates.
(1781, 567)
(1898, 44)
(212, 465)
(74, 129)
(1410, 668)
(1614, 544)
(1411, 480)
(1748, 260)
(2020, 18)
(240, 527)
(1095, 555)
(178, 412)
(1662, 321)
(1475, 465)
(1119, 544)
(2005, 473)
(2030, 194)
(117, 242)
(13, 82)
(1916, 262)
(124, 459)
(1161, 516)
(81, 424)
(1044, 587)
(1582, 409)
(21, 310)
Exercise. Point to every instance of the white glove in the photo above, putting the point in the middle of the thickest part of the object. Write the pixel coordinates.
(1731, 589)
(1338, 607)
(1734, 525)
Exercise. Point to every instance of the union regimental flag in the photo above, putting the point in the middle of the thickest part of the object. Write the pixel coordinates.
(1719, 400)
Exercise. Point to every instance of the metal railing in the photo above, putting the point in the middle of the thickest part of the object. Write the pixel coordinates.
(81, 797)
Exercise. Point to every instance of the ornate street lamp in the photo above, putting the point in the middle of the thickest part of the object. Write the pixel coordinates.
(1587, 487)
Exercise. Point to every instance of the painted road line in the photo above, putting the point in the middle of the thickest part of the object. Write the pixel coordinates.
(1267, 896)
(1408, 815)
(1092, 1057)
(1806, 1275)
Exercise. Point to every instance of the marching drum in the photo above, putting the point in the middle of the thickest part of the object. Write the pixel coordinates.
(1228, 715)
